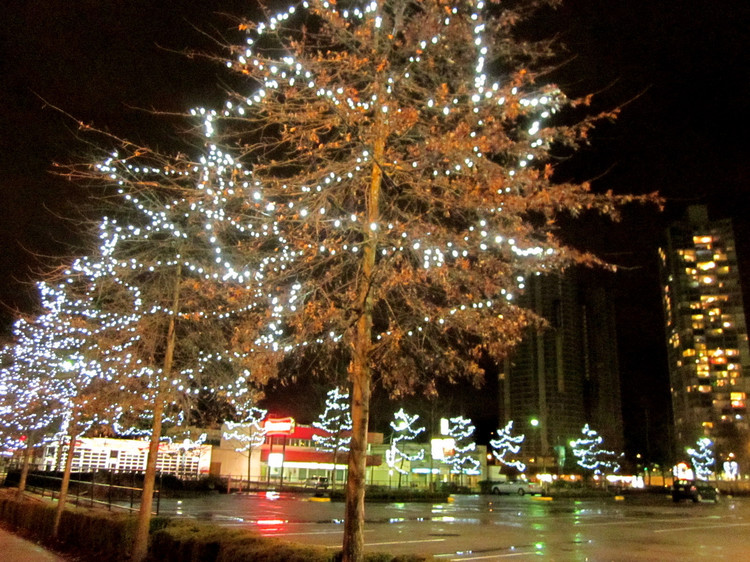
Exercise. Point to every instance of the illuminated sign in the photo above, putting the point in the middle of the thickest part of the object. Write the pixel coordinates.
(731, 470)
(443, 448)
(279, 426)
(444, 426)
(275, 460)
(683, 471)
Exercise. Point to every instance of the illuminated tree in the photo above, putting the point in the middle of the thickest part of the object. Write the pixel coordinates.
(402, 163)
(461, 461)
(336, 421)
(590, 454)
(33, 397)
(403, 432)
(166, 271)
(69, 330)
(702, 458)
(507, 445)
(248, 432)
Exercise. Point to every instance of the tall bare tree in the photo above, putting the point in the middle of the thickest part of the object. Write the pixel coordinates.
(402, 157)
(167, 281)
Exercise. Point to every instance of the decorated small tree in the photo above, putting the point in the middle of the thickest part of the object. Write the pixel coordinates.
(702, 458)
(249, 433)
(336, 421)
(33, 394)
(462, 461)
(590, 453)
(403, 432)
(506, 446)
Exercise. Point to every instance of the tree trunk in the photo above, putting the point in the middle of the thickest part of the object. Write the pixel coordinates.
(354, 516)
(25, 466)
(65, 482)
(249, 461)
(140, 542)
(359, 372)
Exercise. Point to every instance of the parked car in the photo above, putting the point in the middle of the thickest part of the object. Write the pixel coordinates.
(519, 487)
(317, 482)
(696, 490)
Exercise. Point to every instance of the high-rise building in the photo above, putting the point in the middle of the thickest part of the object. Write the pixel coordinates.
(564, 375)
(706, 332)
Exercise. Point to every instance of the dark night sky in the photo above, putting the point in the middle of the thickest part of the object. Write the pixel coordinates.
(680, 69)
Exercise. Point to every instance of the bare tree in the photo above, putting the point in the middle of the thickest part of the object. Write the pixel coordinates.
(402, 158)
(166, 282)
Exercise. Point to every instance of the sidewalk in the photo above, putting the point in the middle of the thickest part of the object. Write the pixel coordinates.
(15, 549)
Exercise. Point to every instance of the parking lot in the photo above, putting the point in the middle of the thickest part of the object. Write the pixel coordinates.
(648, 527)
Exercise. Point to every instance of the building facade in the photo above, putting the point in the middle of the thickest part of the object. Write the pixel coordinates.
(565, 374)
(186, 459)
(706, 334)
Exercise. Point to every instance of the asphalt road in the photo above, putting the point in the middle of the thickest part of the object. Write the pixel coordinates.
(498, 527)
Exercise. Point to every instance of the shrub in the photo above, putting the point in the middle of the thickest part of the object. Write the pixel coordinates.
(101, 535)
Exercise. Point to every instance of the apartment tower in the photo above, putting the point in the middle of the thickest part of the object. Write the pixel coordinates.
(706, 333)
(566, 374)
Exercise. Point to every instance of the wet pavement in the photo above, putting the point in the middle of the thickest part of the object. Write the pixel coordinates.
(649, 527)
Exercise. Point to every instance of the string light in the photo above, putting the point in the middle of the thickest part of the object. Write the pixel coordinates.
(506, 445)
(462, 461)
(403, 432)
(590, 454)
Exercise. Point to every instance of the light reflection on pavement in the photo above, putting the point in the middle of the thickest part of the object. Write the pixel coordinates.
(494, 528)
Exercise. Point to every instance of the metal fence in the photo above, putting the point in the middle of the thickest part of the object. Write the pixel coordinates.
(92, 489)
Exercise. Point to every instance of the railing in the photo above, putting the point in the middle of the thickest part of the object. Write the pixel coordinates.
(90, 492)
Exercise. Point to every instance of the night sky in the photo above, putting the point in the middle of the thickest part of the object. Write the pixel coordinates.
(679, 69)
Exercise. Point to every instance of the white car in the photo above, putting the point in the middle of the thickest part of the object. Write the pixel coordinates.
(519, 487)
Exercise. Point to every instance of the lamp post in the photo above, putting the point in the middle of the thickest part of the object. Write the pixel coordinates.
(535, 424)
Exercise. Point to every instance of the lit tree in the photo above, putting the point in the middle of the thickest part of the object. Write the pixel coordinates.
(590, 454)
(249, 432)
(702, 458)
(461, 461)
(507, 445)
(336, 421)
(168, 268)
(402, 159)
(403, 432)
(70, 332)
(33, 401)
